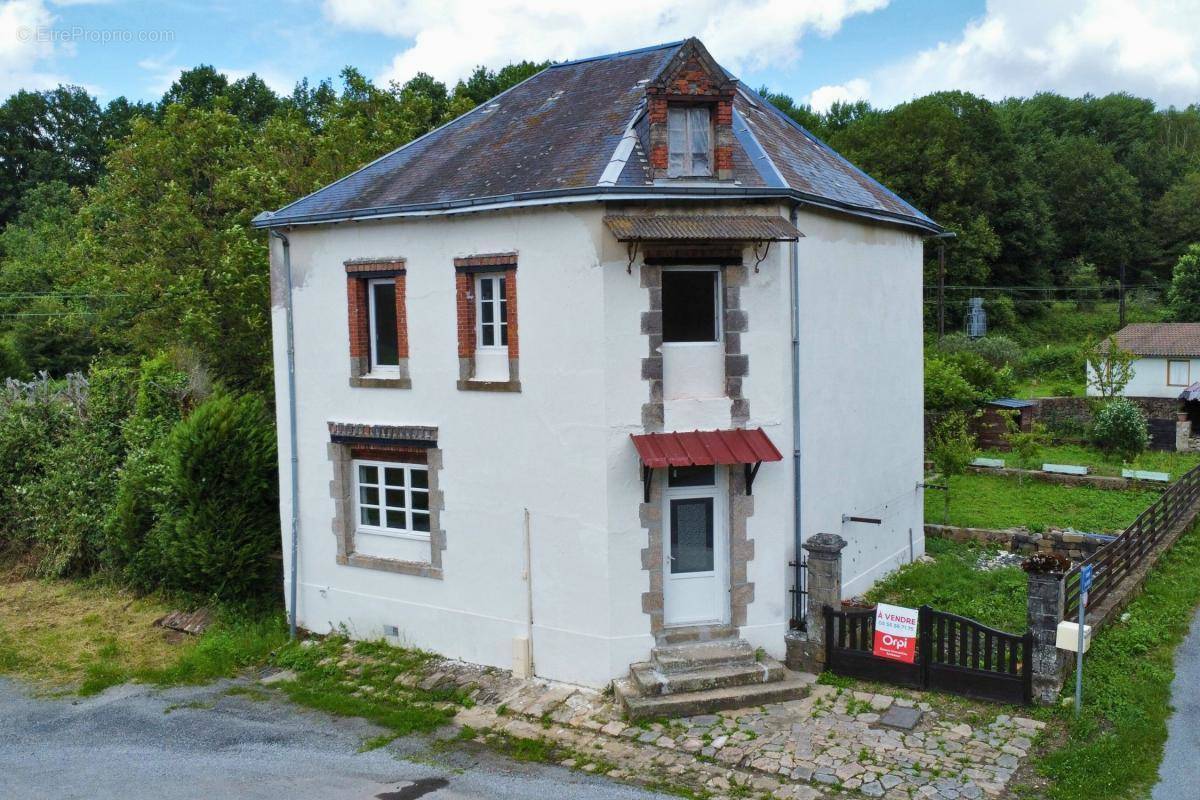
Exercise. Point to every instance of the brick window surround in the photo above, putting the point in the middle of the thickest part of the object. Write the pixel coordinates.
(412, 444)
(359, 273)
(465, 271)
(690, 78)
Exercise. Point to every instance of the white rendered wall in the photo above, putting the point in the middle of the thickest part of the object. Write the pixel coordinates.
(543, 448)
(561, 447)
(861, 391)
(1150, 378)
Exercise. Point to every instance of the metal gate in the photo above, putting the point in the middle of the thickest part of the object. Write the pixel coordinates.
(954, 654)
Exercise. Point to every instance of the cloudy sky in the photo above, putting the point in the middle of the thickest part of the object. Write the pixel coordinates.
(818, 51)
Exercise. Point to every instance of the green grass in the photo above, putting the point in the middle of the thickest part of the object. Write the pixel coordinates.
(993, 501)
(1113, 751)
(366, 685)
(1101, 463)
(90, 635)
(952, 583)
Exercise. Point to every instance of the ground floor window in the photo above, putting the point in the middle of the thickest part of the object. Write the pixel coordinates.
(1179, 373)
(392, 498)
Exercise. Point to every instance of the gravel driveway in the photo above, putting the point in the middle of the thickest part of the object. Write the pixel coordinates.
(135, 742)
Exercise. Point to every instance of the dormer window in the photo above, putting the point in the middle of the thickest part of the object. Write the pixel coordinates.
(689, 141)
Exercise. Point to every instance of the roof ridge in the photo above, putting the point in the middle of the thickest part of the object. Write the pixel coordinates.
(618, 54)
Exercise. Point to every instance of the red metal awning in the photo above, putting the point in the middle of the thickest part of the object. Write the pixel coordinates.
(705, 448)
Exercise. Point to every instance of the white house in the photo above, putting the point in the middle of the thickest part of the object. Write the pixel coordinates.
(1168, 358)
(500, 327)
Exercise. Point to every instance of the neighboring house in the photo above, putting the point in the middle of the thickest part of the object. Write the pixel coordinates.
(508, 331)
(1168, 358)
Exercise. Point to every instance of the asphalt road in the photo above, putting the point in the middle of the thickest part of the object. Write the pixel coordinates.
(1179, 774)
(133, 742)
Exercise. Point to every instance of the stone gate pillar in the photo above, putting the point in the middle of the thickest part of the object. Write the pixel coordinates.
(806, 649)
(1046, 603)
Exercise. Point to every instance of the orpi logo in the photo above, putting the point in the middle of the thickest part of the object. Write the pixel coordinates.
(895, 633)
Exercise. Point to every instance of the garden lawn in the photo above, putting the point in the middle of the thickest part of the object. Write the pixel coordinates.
(951, 582)
(993, 501)
(1101, 463)
(1114, 749)
(89, 635)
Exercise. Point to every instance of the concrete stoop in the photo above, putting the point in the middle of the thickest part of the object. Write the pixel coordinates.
(700, 677)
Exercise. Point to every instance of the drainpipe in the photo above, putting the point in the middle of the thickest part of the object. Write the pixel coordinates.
(794, 286)
(295, 458)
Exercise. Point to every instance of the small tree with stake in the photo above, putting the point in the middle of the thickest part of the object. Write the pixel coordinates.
(1110, 368)
(951, 449)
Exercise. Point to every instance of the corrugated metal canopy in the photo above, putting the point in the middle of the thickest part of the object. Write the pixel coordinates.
(705, 448)
(710, 228)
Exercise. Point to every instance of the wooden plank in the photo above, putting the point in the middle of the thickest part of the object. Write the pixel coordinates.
(1145, 475)
(1065, 469)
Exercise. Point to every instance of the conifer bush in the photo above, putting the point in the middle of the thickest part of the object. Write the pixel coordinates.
(219, 526)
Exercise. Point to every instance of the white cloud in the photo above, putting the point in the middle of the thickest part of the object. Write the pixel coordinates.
(857, 89)
(26, 46)
(448, 38)
(1019, 47)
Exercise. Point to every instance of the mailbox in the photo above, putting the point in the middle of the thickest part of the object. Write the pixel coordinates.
(1067, 637)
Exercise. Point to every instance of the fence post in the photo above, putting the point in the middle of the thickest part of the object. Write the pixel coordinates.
(924, 645)
(806, 649)
(1045, 607)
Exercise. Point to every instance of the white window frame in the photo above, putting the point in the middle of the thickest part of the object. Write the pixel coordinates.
(382, 530)
(686, 168)
(498, 301)
(718, 306)
(373, 330)
(1187, 381)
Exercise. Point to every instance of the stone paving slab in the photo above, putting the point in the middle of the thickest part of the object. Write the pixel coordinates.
(828, 743)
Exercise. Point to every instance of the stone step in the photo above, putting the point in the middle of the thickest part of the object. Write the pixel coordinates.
(793, 686)
(650, 681)
(702, 655)
(696, 633)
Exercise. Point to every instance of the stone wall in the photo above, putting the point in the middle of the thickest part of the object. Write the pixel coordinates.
(1067, 543)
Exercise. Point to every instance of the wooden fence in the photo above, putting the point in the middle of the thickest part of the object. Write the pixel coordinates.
(1115, 561)
(954, 654)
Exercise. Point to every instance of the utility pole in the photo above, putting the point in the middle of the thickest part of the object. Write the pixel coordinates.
(942, 290)
(1121, 296)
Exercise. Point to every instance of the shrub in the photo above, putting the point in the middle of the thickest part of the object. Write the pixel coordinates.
(162, 398)
(220, 521)
(999, 351)
(67, 502)
(1121, 428)
(1063, 361)
(986, 381)
(945, 387)
(30, 429)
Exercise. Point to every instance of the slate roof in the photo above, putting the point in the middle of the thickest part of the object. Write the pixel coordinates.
(556, 133)
(1161, 339)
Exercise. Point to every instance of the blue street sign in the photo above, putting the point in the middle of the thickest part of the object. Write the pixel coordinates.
(1085, 577)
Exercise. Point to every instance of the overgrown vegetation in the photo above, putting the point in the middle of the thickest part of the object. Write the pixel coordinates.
(89, 635)
(383, 684)
(952, 581)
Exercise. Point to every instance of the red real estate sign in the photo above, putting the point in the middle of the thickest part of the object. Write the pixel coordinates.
(895, 632)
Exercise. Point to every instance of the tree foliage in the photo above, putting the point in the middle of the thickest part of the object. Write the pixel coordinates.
(1109, 367)
(1184, 294)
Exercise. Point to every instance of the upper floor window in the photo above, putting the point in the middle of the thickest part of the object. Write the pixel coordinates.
(689, 141)
(691, 305)
(392, 498)
(385, 344)
(492, 311)
(1179, 373)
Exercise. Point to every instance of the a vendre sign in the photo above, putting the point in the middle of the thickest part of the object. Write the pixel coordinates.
(895, 632)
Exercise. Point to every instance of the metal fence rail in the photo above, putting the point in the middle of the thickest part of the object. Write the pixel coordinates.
(1112, 563)
(799, 593)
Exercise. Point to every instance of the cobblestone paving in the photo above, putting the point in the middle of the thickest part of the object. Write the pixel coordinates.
(828, 743)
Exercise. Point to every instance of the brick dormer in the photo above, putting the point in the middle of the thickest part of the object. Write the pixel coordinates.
(691, 91)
